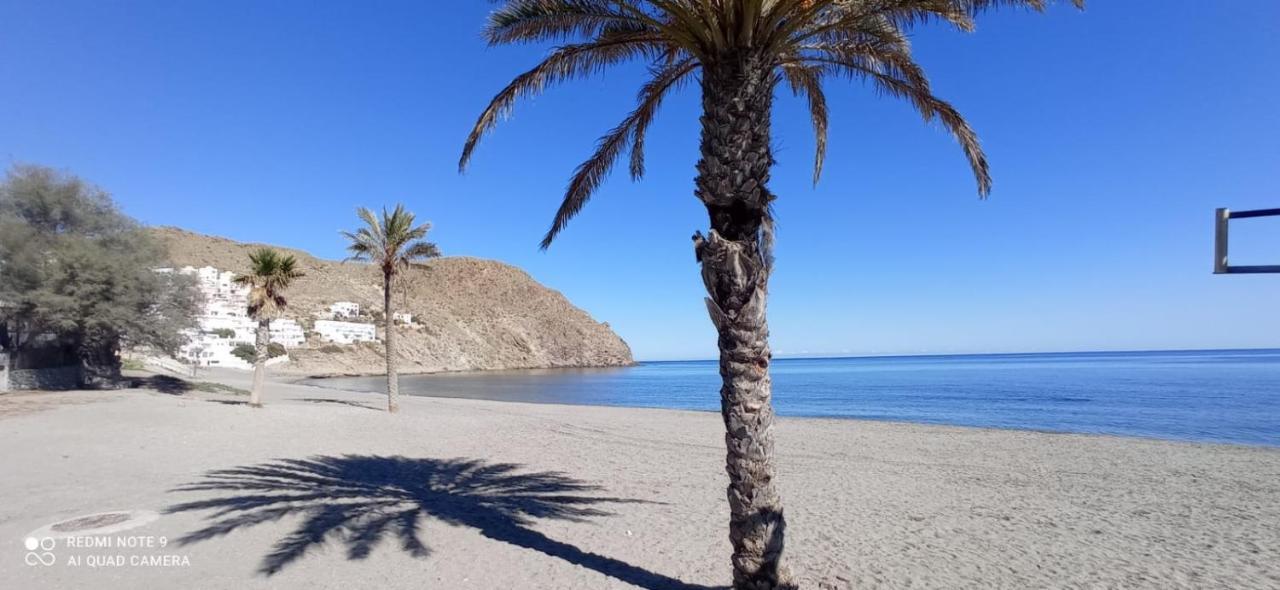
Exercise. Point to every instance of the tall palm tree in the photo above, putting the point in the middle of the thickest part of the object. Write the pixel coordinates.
(392, 243)
(270, 273)
(740, 51)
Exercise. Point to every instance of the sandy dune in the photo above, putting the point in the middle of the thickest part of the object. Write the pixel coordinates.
(323, 490)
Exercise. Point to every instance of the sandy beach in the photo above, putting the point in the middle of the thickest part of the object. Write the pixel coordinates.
(321, 489)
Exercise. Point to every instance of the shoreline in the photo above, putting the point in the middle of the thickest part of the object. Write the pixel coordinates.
(319, 383)
(300, 377)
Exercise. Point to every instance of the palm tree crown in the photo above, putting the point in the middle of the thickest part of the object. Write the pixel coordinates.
(270, 273)
(390, 241)
(800, 41)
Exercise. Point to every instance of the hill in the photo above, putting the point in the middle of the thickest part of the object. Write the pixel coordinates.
(470, 313)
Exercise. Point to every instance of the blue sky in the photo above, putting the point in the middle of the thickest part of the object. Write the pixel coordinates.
(1113, 134)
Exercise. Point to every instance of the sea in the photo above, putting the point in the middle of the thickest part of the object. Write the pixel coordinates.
(1221, 396)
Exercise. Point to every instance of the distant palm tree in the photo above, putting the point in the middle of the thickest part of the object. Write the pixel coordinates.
(270, 273)
(392, 243)
(740, 50)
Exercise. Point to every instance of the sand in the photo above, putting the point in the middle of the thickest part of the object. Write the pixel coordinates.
(321, 489)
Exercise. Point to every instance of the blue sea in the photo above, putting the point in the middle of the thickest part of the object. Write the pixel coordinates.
(1228, 396)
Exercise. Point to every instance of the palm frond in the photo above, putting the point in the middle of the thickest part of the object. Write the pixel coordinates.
(568, 62)
(544, 20)
(807, 81)
(929, 107)
(802, 41)
(390, 241)
(270, 274)
(664, 80)
(592, 172)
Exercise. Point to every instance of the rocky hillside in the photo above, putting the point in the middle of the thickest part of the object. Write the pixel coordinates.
(469, 313)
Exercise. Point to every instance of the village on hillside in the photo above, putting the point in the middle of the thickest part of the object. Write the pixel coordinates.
(226, 333)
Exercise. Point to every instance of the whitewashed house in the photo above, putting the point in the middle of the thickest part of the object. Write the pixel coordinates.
(287, 333)
(346, 332)
(209, 351)
(225, 322)
(402, 318)
(344, 309)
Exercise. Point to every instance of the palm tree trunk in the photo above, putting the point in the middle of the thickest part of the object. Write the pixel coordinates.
(260, 361)
(393, 380)
(736, 261)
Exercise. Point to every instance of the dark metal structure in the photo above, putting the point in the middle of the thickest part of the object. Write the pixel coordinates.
(1222, 220)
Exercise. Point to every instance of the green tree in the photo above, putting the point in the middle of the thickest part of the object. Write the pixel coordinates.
(392, 243)
(78, 280)
(245, 352)
(270, 274)
(249, 353)
(739, 51)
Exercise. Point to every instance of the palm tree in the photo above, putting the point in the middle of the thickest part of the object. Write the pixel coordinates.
(270, 273)
(392, 243)
(739, 50)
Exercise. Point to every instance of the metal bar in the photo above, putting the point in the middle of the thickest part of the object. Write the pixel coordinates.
(1245, 270)
(1221, 216)
(1253, 213)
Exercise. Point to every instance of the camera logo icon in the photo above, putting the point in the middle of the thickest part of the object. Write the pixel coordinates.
(40, 551)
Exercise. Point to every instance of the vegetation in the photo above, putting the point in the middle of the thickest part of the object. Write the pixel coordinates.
(249, 353)
(77, 280)
(739, 50)
(245, 352)
(211, 387)
(270, 274)
(393, 243)
(224, 333)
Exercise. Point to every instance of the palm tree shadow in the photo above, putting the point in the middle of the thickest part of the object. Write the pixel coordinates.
(340, 402)
(357, 500)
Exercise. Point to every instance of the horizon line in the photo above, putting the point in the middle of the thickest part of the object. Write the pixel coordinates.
(830, 356)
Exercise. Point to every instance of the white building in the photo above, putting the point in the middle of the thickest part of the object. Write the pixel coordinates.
(287, 333)
(219, 286)
(225, 322)
(346, 332)
(207, 351)
(402, 318)
(344, 309)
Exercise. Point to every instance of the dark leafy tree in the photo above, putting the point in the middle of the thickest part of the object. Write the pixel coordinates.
(78, 280)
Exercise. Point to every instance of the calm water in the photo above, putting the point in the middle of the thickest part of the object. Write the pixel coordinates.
(1221, 395)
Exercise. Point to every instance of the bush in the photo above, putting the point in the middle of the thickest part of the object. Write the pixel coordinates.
(248, 352)
(331, 349)
(245, 352)
(224, 333)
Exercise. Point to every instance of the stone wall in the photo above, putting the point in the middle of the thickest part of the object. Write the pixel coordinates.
(52, 378)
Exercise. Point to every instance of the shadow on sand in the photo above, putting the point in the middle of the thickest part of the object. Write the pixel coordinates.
(340, 402)
(161, 383)
(357, 500)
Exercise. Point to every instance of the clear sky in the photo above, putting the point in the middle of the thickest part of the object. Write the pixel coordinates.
(1112, 133)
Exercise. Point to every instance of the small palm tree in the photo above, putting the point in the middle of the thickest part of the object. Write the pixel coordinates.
(270, 273)
(740, 51)
(392, 243)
